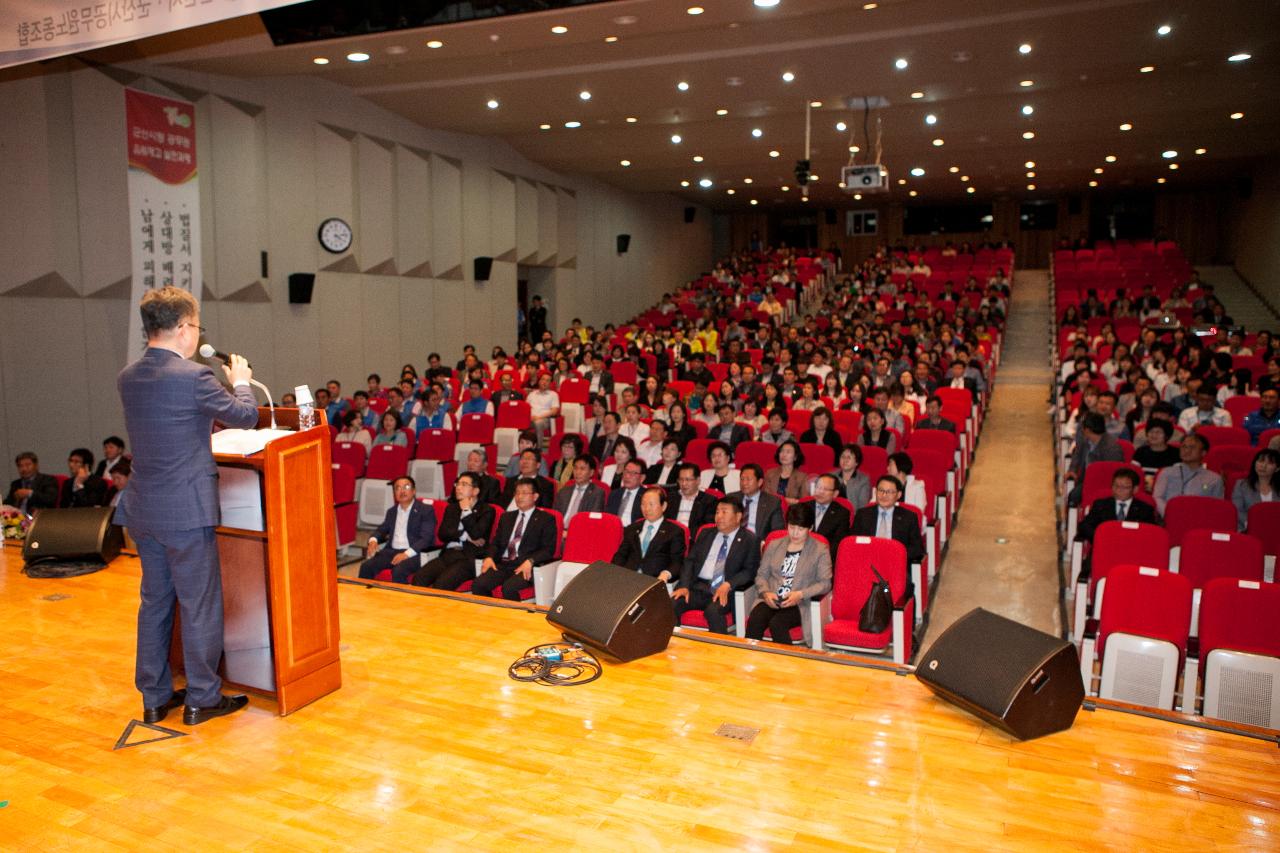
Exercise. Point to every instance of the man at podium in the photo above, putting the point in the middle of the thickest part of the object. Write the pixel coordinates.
(171, 506)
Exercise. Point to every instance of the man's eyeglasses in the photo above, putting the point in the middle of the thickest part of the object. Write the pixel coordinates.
(200, 329)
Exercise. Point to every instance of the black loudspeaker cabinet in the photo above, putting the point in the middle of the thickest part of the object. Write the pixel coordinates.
(620, 612)
(80, 533)
(1020, 680)
(483, 266)
(624, 243)
(300, 286)
(690, 213)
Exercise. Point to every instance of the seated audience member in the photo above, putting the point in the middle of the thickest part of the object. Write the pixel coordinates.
(886, 520)
(794, 570)
(632, 427)
(1206, 411)
(544, 407)
(528, 467)
(389, 430)
(752, 418)
(1156, 453)
(403, 401)
(726, 430)
(875, 433)
(678, 426)
(1189, 476)
(112, 455)
(571, 448)
(332, 402)
(288, 400)
(464, 533)
(353, 431)
(602, 445)
(933, 418)
(476, 403)
(690, 506)
(432, 411)
(490, 490)
(624, 450)
(1121, 506)
(624, 501)
(761, 511)
(506, 393)
(786, 478)
(900, 466)
(368, 417)
(652, 545)
(600, 380)
(723, 559)
(1093, 444)
(1261, 486)
(821, 431)
(650, 450)
(526, 538)
(666, 469)
(956, 378)
(120, 479)
(892, 419)
(82, 488)
(777, 432)
(721, 476)
(526, 440)
(855, 485)
(830, 519)
(408, 530)
(32, 490)
(1265, 417)
(581, 493)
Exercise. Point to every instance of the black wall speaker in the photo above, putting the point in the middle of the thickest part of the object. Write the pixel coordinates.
(622, 613)
(1018, 679)
(483, 266)
(79, 533)
(300, 286)
(689, 213)
(624, 243)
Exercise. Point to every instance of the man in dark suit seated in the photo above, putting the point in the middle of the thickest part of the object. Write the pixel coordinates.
(831, 520)
(82, 488)
(526, 538)
(624, 501)
(32, 490)
(933, 418)
(527, 469)
(464, 532)
(606, 439)
(723, 560)
(408, 530)
(887, 520)
(1093, 444)
(601, 380)
(728, 430)
(1121, 506)
(761, 511)
(653, 544)
(689, 505)
(490, 491)
(580, 494)
(956, 378)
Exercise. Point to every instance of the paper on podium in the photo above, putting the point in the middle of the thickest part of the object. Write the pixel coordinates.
(245, 442)
(240, 498)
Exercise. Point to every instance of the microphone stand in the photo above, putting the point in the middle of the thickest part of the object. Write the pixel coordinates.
(270, 402)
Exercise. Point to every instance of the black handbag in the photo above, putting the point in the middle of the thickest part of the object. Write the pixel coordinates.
(877, 612)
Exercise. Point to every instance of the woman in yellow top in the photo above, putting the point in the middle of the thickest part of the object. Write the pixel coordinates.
(708, 337)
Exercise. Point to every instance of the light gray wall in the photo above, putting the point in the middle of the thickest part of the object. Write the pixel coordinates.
(275, 158)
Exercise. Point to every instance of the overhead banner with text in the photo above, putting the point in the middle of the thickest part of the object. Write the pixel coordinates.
(164, 200)
(32, 30)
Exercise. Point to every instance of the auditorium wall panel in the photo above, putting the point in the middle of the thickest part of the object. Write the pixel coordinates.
(1256, 243)
(376, 198)
(27, 234)
(413, 211)
(236, 182)
(98, 122)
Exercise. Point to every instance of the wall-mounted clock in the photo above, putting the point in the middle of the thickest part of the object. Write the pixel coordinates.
(335, 235)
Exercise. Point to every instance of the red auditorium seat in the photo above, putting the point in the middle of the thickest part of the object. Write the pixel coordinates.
(1239, 652)
(476, 427)
(1194, 512)
(344, 503)
(1118, 543)
(851, 584)
(1222, 436)
(759, 452)
(352, 454)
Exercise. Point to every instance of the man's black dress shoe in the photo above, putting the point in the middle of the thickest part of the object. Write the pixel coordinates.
(229, 705)
(155, 715)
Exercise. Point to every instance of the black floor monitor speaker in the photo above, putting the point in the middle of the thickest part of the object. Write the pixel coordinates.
(1020, 680)
(623, 613)
(300, 286)
(82, 533)
(483, 267)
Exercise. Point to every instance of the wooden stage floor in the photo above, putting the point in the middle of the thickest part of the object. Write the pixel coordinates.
(428, 745)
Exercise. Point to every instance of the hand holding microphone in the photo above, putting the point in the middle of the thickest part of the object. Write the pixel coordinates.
(236, 368)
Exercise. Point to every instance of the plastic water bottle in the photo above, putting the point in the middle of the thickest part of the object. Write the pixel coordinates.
(306, 416)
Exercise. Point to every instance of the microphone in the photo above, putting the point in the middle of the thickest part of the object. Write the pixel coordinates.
(207, 351)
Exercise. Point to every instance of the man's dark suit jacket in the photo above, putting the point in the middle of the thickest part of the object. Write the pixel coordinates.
(830, 438)
(421, 530)
(1104, 509)
(969, 383)
(703, 512)
(170, 404)
(537, 542)
(545, 488)
(942, 424)
(606, 381)
(490, 491)
(768, 513)
(614, 504)
(596, 447)
(906, 529)
(666, 550)
(741, 433)
(653, 472)
(706, 377)
(592, 498)
(477, 526)
(834, 526)
(94, 493)
(740, 565)
(44, 493)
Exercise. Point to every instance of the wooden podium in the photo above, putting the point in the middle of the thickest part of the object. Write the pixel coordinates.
(280, 580)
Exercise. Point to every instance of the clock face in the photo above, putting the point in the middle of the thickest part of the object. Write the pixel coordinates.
(335, 235)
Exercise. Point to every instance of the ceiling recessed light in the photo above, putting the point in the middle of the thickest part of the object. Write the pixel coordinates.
(1093, 183)
(1169, 155)
(857, 196)
(572, 124)
(1030, 164)
(397, 49)
(1110, 158)
(722, 112)
(358, 56)
(1201, 151)
(901, 181)
(544, 127)
(964, 179)
(954, 169)
(753, 201)
(913, 193)
(1173, 166)
(625, 20)
(321, 60)
(704, 183)
(1027, 109)
(867, 7)
(1160, 180)
(730, 191)
(786, 189)
(584, 95)
(559, 30)
(1024, 49)
(683, 86)
(853, 149)
(632, 119)
(775, 153)
(1031, 173)
(748, 180)
(492, 104)
(675, 139)
(1029, 135)
(1146, 69)
(970, 190)
(938, 143)
(1098, 170)
(816, 104)
(931, 119)
(684, 183)
(1126, 126)
(1026, 83)
(1237, 116)
(917, 95)
(624, 162)
(841, 126)
(813, 177)
(788, 76)
(610, 39)
(1163, 30)
(697, 158)
(435, 44)
(695, 10)
(917, 172)
(757, 132)
(1239, 57)
(900, 63)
